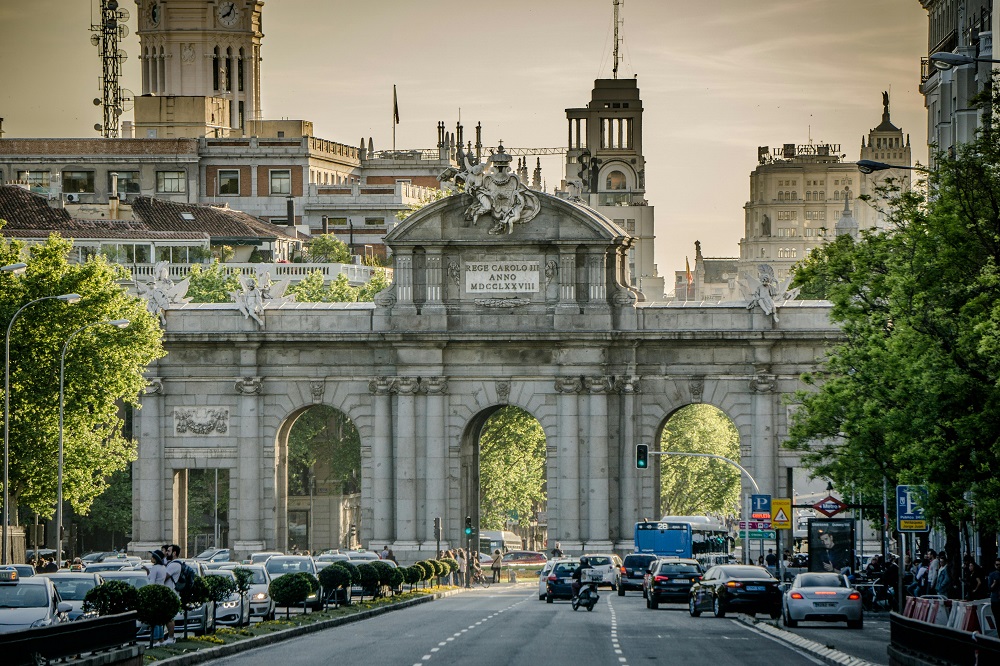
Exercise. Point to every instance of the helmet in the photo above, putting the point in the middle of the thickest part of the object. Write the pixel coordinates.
(584, 561)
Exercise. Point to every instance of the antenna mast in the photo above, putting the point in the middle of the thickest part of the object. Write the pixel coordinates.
(614, 71)
(106, 35)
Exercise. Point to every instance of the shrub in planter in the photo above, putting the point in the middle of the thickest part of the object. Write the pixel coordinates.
(114, 596)
(352, 568)
(156, 605)
(413, 575)
(368, 577)
(335, 579)
(244, 581)
(384, 573)
(219, 589)
(289, 590)
(426, 568)
(314, 587)
(452, 564)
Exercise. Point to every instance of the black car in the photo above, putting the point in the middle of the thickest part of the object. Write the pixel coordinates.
(670, 579)
(736, 587)
(560, 582)
(634, 568)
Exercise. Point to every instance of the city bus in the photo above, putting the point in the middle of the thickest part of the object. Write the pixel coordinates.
(662, 538)
(711, 541)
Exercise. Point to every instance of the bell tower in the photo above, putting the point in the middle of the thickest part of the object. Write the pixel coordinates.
(200, 67)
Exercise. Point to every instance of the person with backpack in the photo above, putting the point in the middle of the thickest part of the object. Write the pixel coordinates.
(175, 579)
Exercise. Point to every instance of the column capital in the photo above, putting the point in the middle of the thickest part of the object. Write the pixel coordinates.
(568, 384)
(434, 385)
(763, 382)
(154, 386)
(598, 384)
(249, 385)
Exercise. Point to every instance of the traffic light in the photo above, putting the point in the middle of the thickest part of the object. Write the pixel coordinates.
(468, 525)
(437, 528)
(641, 456)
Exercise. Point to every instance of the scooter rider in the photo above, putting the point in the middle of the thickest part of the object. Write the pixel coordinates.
(578, 575)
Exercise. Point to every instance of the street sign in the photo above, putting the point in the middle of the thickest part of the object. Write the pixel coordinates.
(830, 506)
(760, 507)
(910, 509)
(781, 513)
(755, 525)
(760, 534)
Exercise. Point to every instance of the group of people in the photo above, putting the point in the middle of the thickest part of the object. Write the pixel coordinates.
(165, 570)
(44, 565)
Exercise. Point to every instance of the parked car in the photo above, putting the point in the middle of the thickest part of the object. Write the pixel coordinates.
(109, 565)
(260, 558)
(235, 609)
(633, 571)
(824, 597)
(608, 566)
(670, 579)
(73, 587)
(136, 577)
(522, 558)
(23, 570)
(736, 587)
(29, 602)
(261, 603)
(559, 584)
(332, 557)
(279, 565)
(362, 556)
(543, 578)
(213, 557)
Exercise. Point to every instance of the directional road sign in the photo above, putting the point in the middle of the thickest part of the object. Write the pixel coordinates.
(761, 534)
(910, 502)
(781, 513)
(755, 525)
(760, 507)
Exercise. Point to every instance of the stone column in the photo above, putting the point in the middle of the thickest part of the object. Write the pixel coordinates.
(381, 494)
(405, 462)
(597, 280)
(403, 277)
(234, 94)
(179, 526)
(569, 464)
(249, 520)
(598, 502)
(567, 281)
(434, 282)
(437, 453)
(763, 447)
(629, 491)
(150, 511)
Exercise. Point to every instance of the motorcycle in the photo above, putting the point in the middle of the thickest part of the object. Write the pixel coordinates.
(587, 597)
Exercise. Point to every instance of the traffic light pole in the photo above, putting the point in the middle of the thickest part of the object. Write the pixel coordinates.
(644, 449)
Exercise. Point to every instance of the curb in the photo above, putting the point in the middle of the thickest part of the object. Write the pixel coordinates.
(208, 654)
(823, 653)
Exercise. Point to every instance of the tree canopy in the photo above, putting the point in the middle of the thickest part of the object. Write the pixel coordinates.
(324, 444)
(103, 369)
(912, 394)
(313, 288)
(511, 467)
(692, 486)
(327, 248)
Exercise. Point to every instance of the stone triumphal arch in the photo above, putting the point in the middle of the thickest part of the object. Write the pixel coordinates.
(500, 297)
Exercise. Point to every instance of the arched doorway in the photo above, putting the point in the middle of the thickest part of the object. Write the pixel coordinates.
(321, 475)
(504, 472)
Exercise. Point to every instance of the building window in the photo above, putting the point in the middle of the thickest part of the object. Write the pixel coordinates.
(787, 215)
(229, 181)
(809, 232)
(128, 182)
(281, 181)
(180, 254)
(36, 180)
(616, 181)
(337, 221)
(127, 253)
(170, 182)
(78, 181)
(374, 221)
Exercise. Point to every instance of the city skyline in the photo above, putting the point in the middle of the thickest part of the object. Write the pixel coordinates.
(809, 70)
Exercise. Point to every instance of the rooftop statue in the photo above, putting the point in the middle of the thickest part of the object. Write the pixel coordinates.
(765, 292)
(162, 292)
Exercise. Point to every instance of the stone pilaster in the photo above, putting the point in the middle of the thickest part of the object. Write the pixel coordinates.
(381, 499)
(567, 281)
(148, 492)
(405, 463)
(763, 447)
(248, 519)
(598, 501)
(434, 279)
(569, 463)
(437, 453)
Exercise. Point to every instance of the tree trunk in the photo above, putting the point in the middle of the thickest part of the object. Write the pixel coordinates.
(987, 545)
(953, 549)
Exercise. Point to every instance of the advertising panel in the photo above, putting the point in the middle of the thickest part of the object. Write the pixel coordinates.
(831, 544)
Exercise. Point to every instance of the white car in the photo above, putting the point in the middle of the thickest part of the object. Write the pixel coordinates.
(608, 565)
(235, 609)
(261, 603)
(29, 602)
(73, 587)
(543, 577)
(825, 597)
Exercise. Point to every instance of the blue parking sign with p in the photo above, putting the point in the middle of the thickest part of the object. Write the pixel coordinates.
(760, 506)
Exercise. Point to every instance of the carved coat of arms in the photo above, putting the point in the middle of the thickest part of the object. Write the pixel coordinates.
(495, 190)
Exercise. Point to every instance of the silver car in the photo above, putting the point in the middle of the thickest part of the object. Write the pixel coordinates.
(29, 602)
(279, 565)
(235, 609)
(73, 587)
(824, 597)
(261, 603)
(543, 578)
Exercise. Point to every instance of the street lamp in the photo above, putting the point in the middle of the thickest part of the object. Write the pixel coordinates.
(944, 60)
(117, 323)
(65, 298)
(870, 166)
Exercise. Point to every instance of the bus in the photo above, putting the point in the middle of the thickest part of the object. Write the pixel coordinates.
(663, 538)
(491, 540)
(711, 542)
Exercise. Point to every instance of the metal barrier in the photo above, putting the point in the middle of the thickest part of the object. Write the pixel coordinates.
(67, 639)
(943, 645)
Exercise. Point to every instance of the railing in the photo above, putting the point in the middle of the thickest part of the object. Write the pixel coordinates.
(68, 639)
(356, 274)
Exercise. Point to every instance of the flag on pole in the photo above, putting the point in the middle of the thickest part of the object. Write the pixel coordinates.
(687, 271)
(395, 105)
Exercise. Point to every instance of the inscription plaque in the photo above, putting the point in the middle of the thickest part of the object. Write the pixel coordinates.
(502, 277)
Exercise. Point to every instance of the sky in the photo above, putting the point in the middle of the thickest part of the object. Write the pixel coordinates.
(718, 78)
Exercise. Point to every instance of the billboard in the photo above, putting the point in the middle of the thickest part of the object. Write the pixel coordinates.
(831, 544)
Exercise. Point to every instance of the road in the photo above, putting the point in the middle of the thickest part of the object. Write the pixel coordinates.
(508, 625)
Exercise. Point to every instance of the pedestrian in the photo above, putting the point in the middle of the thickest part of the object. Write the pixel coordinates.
(391, 557)
(557, 551)
(462, 567)
(933, 566)
(771, 559)
(157, 576)
(916, 588)
(975, 581)
(51, 566)
(993, 585)
(942, 584)
(385, 552)
(172, 554)
(496, 565)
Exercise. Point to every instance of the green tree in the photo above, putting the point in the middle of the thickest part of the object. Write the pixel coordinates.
(911, 394)
(328, 249)
(310, 289)
(212, 284)
(323, 443)
(511, 467)
(111, 511)
(103, 366)
(692, 486)
(378, 282)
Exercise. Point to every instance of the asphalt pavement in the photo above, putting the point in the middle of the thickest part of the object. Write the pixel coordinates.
(508, 625)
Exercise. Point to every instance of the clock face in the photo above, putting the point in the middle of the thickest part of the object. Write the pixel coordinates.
(228, 13)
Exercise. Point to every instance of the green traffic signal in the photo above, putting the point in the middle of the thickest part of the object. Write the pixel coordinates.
(641, 456)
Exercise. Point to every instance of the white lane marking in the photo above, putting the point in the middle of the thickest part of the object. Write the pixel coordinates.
(782, 643)
(458, 634)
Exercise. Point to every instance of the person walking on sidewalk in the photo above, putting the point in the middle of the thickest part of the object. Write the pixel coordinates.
(496, 565)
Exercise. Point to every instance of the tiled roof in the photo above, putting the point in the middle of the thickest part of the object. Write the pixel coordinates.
(25, 210)
(162, 215)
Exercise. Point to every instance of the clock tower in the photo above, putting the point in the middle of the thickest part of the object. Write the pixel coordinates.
(200, 67)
